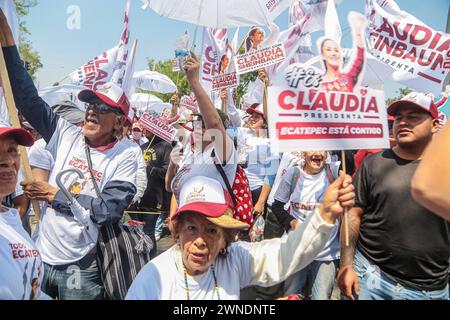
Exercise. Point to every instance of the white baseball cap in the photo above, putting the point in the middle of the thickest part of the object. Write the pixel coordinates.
(207, 197)
(111, 94)
(417, 99)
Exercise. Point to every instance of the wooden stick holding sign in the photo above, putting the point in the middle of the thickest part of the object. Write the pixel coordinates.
(346, 228)
(265, 107)
(14, 119)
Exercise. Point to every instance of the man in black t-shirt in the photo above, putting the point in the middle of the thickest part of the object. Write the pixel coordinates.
(155, 199)
(398, 249)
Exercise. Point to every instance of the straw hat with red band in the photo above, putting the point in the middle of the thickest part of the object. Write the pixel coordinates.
(111, 94)
(207, 197)
(22, 136)
(416, 99)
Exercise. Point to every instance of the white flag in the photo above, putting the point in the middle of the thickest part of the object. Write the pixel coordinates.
(97, 71)
(122, 54)
(419, 55)
(332, 26)
(213, 56)
(297, 44)
(317, 9)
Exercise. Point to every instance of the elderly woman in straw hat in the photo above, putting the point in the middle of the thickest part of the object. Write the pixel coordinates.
(20, 262)
(207, 264)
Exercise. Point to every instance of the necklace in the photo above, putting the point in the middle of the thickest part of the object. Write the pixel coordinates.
(216, 286)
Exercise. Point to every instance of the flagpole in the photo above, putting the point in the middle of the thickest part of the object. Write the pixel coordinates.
(265, 107)
(14, 118)
(197, 25)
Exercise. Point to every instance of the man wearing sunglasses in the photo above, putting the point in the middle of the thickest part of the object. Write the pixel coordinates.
(66, 243)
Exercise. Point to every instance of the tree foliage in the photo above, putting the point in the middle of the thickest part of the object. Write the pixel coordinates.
(401, 93)
(179, 78)
(28, 54)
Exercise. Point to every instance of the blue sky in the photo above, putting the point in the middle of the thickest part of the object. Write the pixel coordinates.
(63, 50)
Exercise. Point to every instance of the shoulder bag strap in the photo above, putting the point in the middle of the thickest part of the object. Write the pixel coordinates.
(89, 161)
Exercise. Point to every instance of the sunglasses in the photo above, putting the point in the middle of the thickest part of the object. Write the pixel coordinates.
(103, 108)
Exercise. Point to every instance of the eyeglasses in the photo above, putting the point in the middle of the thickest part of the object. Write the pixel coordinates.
(103, 108)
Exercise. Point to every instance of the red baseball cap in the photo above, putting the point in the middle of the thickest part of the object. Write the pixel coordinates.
(207, 197)
(22, 136)
(417, 99)
(111, 94)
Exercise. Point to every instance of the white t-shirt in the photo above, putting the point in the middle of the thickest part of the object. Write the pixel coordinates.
(306, 197)
(202, 164)
(258, 263)
(62, 239)
(40, 157)
(141, 174)
(20, 262)
(288, 160)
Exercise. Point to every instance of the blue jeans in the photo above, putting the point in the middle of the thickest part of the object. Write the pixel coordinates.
(374, 284)
(76, 281)
(318, 278)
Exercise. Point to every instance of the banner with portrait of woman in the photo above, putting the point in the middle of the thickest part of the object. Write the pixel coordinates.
(326, 109)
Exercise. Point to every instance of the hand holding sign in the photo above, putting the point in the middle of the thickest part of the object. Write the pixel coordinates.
(192, 67)
(174, 100)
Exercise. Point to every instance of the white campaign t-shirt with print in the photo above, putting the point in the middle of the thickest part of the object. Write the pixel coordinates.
(62, 239)
(40, 157)
(21, 268)
(288, 160)
(197, 163)
(230, 273)
(306, 197)
(263, 263)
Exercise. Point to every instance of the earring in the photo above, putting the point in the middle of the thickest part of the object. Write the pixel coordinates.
(223, 251)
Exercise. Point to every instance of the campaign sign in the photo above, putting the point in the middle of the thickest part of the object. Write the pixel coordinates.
(175, 66)
(189, 102)
(261, 58)
(224, 81)
(419, 54)
(159, 126)
(305, 117)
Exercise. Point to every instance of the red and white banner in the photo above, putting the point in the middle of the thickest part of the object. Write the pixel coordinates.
(224, 81)
(302, 117)
(109, 66)
(214, 58)
(189, 102)
(158, 125)
(419, 55)
(259, 59)
(122, 54)
(308, 119)
(97, 71)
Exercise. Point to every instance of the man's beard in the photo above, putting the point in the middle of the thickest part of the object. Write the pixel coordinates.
(416, 146)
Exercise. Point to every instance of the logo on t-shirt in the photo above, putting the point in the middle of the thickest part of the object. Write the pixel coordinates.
(20, 251)
(83, 166)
